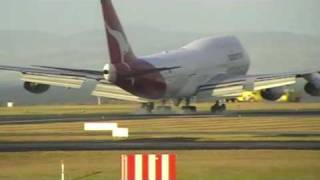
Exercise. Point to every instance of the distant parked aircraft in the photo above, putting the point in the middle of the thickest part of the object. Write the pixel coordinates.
(219, 65)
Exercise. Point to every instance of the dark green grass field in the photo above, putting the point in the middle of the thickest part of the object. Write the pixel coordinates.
(191, 165)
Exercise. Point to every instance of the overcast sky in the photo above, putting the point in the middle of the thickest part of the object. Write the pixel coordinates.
(202, 16)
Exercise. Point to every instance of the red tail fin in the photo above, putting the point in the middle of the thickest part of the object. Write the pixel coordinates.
(119, 47)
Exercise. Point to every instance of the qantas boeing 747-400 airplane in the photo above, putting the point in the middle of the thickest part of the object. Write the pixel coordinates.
(218, 65)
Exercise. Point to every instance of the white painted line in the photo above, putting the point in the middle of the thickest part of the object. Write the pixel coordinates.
(100, 126)
(138, 167)
(165, 167)
(152, 167)
(120, 132)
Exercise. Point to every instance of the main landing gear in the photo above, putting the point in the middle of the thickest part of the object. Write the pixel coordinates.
(147, 107)
(163, 109)
(187, 108)
(219, 107)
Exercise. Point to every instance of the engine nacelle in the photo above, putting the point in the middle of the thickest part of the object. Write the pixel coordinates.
(312, 89)
(36, 88)
(272, 94)
(313, 85)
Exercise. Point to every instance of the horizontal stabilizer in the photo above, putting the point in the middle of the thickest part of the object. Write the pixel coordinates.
(148, 71)
(115, 92)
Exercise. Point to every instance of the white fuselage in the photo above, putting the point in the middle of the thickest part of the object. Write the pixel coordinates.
(199, 62)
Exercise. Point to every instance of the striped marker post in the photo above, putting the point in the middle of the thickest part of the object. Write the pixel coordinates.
(148, 167)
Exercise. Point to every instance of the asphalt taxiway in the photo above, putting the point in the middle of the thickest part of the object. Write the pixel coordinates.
(109, 145)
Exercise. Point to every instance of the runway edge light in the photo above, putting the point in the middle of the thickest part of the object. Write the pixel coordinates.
(148, 167)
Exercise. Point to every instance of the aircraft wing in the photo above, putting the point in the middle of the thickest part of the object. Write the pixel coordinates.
(226, 85)
(43, 70)
(74, 78)
(69, 78)
(84, 73)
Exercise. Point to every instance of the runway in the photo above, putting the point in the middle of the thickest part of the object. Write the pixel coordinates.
(109, 145)
(110, 117)
(163, 143)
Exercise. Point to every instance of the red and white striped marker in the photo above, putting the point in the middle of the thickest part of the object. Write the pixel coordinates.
(148, 167)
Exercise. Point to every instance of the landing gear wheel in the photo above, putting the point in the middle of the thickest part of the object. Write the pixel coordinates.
(147, 107)
(163, 109)
(189, 109)
(218, 108)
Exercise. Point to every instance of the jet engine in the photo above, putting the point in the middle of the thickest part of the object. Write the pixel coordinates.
(313, 85)
(36, 88)
(272, 94)
(312, 89)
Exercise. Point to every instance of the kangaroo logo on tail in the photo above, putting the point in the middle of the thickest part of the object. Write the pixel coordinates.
(122, 42)
(119, 48)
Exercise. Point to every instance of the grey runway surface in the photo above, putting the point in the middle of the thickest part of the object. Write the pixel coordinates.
(108, 145)
(110, 117)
